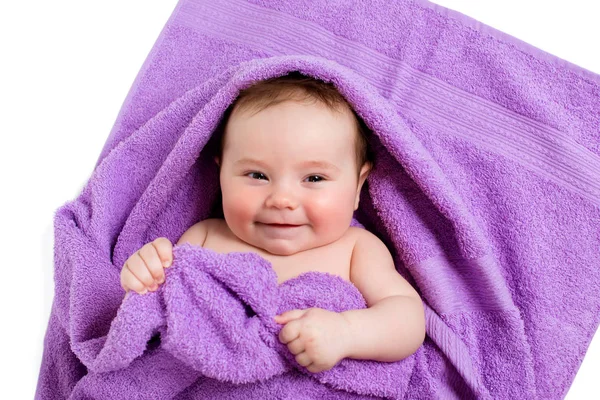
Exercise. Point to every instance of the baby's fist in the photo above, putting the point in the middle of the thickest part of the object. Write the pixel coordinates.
(143, 271)
(318, 338)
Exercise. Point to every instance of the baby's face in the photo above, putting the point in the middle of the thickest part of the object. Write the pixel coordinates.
(292, 163)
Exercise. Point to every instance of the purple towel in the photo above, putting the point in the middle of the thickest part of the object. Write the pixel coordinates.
(485, 188)
(214, 319)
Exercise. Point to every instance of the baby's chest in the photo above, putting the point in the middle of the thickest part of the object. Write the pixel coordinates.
(334, 262)
(333, 258)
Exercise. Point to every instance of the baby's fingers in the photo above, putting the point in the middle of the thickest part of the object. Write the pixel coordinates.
(153, 263)
(140, 269)
(290, 331)
(303, 359)
(164, 248)
(130, 282)
(296, 346)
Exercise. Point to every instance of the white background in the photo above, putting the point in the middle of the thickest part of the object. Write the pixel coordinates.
(65, 70)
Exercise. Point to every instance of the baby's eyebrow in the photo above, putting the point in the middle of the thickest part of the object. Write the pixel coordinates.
(319, 164)
(250, 161)
(312, 163)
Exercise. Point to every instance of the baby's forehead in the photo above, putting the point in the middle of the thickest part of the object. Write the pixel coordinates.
(340, 119)
(334, 128)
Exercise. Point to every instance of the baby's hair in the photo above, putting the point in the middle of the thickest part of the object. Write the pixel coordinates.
(299, 87)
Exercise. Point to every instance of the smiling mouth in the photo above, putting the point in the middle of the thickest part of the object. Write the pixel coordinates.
(279, 231)
(279, 225)
(282, 225)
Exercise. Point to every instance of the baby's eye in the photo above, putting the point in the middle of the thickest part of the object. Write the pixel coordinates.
(257, 175)
(315, 178)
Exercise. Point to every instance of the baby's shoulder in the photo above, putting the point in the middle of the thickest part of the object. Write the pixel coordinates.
(357, 234)
(364, 241)
(211, 223)
(197, 233)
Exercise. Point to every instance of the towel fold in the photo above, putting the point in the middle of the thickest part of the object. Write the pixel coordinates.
(214, 319)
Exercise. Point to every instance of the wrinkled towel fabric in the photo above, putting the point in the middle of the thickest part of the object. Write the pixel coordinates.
(485, 189)
(214, 314)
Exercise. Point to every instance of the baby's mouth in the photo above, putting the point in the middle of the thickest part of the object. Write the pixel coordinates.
(282, 225)
(275, 225)
(279, 231)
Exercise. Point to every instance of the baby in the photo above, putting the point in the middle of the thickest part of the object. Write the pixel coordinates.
(293, 159)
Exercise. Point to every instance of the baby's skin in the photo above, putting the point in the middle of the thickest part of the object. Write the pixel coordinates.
(290, 185)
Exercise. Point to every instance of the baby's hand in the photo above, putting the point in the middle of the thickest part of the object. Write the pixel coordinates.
(318, 338)
(143, 271)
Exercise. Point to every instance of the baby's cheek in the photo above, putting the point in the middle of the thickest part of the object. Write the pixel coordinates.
(331, 213)
(240, 207)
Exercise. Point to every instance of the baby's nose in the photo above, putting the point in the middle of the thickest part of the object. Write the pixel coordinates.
(282, 199)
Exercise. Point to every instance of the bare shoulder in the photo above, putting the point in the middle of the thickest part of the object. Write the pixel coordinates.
(197, 233)
(354, 233)
(372, 269)
(364, 238)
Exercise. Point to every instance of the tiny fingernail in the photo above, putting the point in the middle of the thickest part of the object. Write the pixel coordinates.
(161, 280)
(154, 287)
(167, 264)
(144, 291)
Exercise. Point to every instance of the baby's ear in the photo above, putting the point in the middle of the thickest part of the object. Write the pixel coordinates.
(364, 172)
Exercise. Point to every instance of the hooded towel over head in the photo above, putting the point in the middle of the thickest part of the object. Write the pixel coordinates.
(485, 188)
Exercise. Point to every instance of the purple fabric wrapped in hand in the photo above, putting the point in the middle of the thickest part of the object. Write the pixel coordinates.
(214, 315)
(485, 189)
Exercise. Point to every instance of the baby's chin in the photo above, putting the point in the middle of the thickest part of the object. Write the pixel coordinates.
(276, 248)
(280, 247)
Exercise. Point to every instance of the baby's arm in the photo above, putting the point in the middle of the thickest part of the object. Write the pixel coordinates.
(393, 325)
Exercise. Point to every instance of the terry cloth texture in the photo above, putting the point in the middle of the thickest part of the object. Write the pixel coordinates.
(485, 188)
